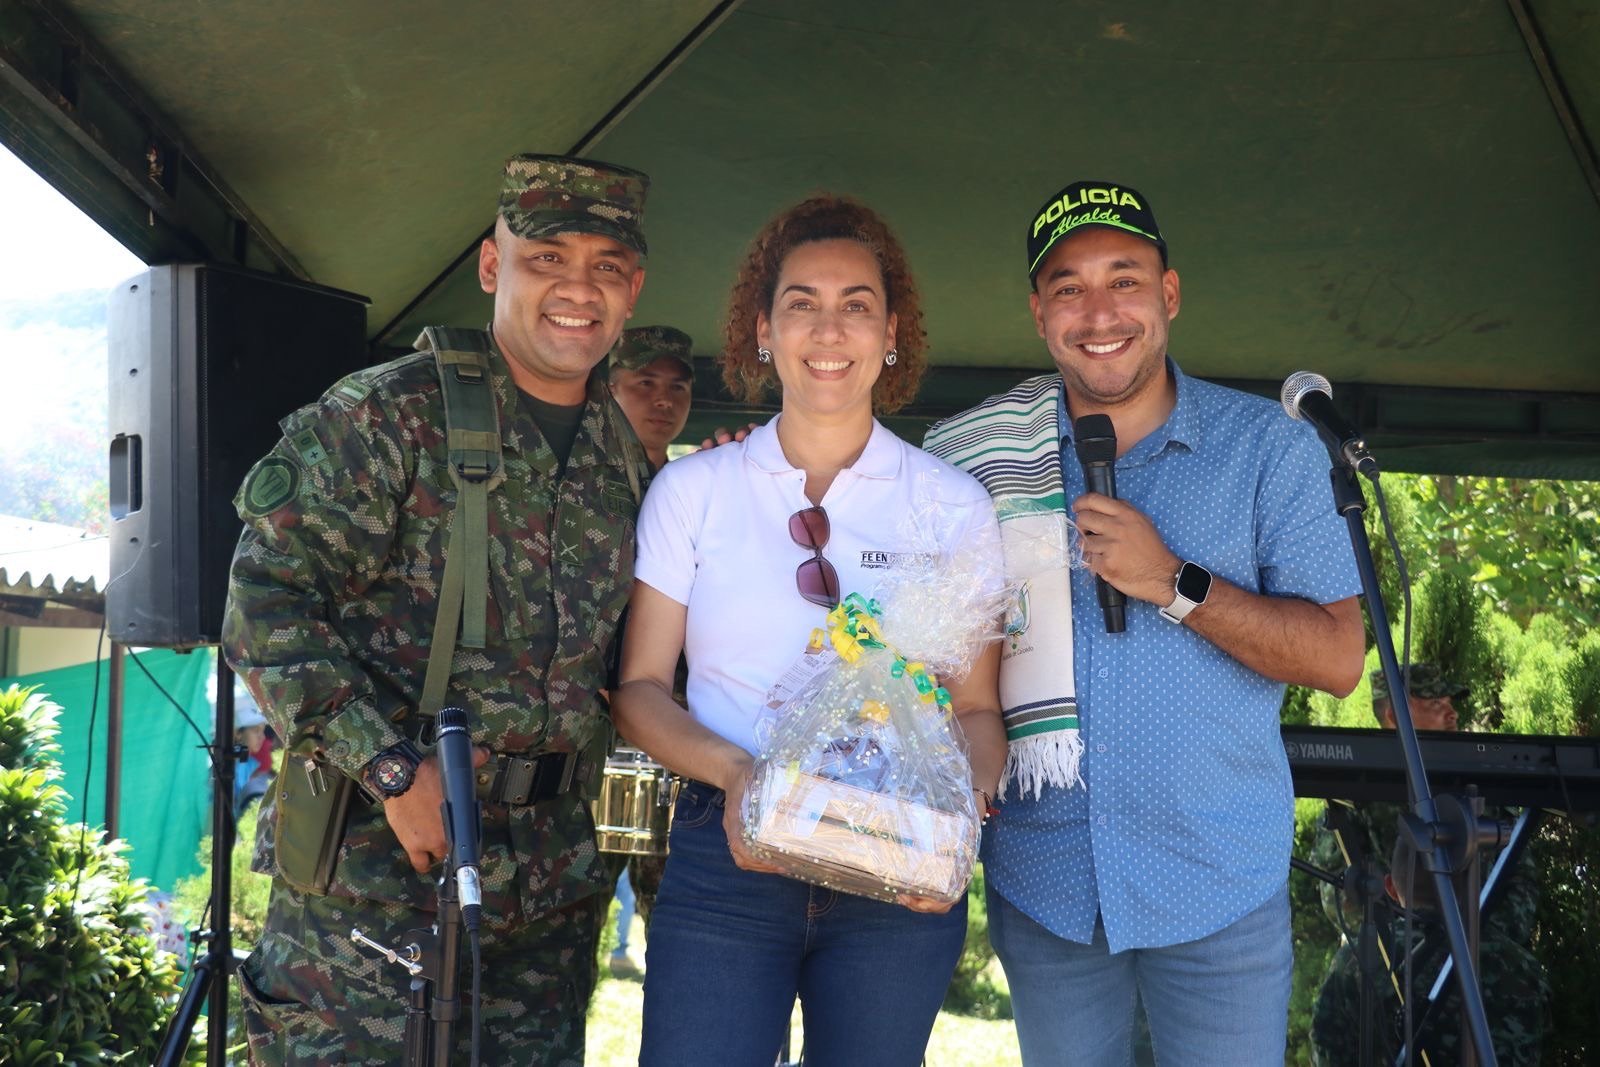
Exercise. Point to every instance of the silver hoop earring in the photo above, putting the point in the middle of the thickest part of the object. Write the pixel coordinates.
(892, 358)
(763, 355)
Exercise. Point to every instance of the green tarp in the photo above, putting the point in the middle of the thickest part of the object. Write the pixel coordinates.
(165, 778)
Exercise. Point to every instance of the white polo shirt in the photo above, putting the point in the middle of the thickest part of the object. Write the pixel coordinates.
(714, 536)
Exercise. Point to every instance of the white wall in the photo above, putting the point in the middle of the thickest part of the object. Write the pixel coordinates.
(45, 648)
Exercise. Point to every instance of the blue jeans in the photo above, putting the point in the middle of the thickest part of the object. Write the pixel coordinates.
(626, 904)
(730, 949)
(1221, 999)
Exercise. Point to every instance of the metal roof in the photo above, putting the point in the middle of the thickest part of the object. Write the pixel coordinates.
(46, 560)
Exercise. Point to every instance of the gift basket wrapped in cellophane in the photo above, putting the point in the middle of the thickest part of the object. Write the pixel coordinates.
(863, 783)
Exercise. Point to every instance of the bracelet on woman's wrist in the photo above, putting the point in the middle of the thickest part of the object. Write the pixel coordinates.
(987, 808)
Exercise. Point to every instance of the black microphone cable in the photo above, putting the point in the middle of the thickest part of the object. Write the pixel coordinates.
(477, 995)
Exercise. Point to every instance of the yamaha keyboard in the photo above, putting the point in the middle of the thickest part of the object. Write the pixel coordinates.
(1521, 770)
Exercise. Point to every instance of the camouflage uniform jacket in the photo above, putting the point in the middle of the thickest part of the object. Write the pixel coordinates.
(333, 595)
(1515, 992)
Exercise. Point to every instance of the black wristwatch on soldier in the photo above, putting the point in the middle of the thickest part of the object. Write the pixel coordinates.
(391, 772)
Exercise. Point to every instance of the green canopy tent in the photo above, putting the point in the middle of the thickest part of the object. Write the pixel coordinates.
(1405, 198)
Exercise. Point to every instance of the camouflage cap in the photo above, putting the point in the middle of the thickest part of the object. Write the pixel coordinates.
(1423, 680)
(643, 345)
(546, 195)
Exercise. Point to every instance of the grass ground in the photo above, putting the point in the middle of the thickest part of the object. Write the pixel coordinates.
(957, 1041)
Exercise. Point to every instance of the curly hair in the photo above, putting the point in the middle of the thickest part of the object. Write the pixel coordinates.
(823, 218)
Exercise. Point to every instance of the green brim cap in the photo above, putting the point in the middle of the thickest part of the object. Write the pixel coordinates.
(1090, 204)
(1423, 680)
(643, 345)
(542, 196)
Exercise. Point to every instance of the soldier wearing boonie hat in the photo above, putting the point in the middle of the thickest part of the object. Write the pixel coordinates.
(337, 582)
(1432, 698)
(641, 346)
(1423, 680)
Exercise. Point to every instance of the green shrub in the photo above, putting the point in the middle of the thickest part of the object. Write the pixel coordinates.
(1450, 631)
(250, 890)
(1535, 699)
(1565, 933)
(80, 982)
(1545, 628)
(1296, 710)
(1583, 684)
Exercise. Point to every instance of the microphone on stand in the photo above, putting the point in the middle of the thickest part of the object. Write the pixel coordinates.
(460, 810)
(1308, 396)
(1095, 440)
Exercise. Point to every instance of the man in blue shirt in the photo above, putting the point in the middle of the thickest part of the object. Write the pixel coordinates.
(1155, 869)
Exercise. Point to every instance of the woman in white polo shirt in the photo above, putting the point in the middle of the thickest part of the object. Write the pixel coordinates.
(742, 551)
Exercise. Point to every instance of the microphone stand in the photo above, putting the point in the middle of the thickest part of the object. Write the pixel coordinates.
(1446, 836)
(432, 957)
(1489, 896)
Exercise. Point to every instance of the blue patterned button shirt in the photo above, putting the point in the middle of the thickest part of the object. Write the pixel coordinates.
(1185, 816)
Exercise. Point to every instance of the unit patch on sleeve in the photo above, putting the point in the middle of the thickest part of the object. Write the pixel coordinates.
(270, 486)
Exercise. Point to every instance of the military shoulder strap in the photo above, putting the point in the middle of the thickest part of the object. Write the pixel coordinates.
(634, 459)
(472, 436)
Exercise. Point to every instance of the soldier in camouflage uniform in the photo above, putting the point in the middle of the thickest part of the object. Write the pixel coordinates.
(652, 377)
(1515, 986)
(332, 602)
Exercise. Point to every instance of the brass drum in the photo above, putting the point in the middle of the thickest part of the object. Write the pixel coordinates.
(635, 806)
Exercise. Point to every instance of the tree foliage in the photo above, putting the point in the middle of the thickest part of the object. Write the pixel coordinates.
(80, 981)
(1529, 546)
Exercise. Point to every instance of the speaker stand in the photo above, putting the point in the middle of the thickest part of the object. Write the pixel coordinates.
(208, 979)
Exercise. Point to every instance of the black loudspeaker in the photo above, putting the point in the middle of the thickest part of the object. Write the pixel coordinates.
(204, 361)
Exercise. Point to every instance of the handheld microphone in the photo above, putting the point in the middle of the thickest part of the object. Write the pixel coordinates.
(1308, 396)
(460, 810)
(1095, 440)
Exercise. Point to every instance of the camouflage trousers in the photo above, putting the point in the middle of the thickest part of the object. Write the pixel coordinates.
(645, 874)
(312, 996)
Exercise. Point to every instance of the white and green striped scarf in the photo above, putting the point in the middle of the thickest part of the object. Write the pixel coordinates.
(1011, 443)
